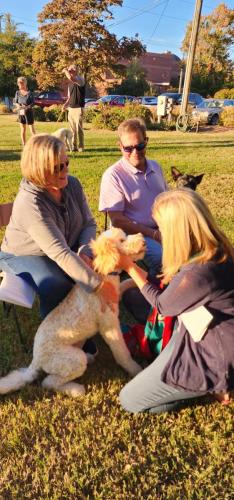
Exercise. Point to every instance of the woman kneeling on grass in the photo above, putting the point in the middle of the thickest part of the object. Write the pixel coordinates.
(198, 266)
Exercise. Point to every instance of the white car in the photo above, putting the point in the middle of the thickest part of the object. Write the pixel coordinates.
(211, 109)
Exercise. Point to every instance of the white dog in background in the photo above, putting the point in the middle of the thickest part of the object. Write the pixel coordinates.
(78, 317)
(65, 135)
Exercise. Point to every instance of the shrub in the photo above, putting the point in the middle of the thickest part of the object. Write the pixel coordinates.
(227, 117)
(4, 109)
(110, 117)
(39, 114)
(225, 94)
(55, 113)
(89, 113)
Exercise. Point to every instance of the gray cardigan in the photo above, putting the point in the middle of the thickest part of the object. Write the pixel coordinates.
(41, 226)
(208, 365)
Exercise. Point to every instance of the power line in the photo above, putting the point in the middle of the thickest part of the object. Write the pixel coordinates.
(140, 11)
(160, 17)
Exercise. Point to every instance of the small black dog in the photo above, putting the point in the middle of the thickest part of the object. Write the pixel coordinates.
(185, 180)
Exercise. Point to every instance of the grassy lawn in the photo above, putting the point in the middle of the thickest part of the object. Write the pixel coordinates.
(52, 447)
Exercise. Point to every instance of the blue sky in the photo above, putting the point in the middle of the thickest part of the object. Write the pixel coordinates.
(160, 23)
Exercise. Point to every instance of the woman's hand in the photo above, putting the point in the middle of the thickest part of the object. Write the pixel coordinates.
(108, 296)
(124, 262)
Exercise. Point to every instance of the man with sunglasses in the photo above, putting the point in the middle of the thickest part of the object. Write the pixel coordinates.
(75, 103)
(129, 188)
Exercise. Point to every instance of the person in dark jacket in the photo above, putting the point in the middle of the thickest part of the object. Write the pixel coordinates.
(24, 100)
(198, 269)
(75, 103)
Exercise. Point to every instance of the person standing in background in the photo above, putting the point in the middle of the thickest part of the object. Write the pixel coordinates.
(24, 100)
(75, 104)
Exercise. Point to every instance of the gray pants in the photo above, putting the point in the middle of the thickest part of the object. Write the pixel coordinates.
(75, 119)
(147, 392)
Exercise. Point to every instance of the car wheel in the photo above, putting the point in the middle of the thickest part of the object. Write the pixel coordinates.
(214, 120)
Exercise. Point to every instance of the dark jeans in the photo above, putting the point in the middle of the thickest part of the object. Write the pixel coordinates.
(47, 278)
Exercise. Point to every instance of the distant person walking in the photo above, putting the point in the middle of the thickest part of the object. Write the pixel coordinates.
(24, 100)
(75, 104)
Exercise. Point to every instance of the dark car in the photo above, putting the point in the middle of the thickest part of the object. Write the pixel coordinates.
(49, 98)
(194, 99)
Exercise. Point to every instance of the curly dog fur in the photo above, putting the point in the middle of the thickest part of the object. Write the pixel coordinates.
(78, 317)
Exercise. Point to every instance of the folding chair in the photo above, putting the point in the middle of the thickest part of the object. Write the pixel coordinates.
(13, 289)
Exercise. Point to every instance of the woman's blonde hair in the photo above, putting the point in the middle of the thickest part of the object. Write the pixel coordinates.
(22, 79)
(132, 125)
(189, 232)
(40, 156)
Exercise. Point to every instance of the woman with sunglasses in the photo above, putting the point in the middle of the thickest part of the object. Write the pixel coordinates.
(129, 188)
(47, 239)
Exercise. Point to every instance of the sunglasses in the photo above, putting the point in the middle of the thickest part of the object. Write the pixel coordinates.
(137, 147)
(60, 167)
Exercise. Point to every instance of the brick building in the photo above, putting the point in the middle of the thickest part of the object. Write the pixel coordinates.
(160, 69)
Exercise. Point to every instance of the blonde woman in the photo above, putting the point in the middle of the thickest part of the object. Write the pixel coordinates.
(198, 267)
(47, 239)
(24, 100)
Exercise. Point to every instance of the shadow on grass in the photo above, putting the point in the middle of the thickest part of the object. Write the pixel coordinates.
(9, 155)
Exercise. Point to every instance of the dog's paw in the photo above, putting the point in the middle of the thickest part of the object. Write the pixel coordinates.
(134, 369)
(74, 390)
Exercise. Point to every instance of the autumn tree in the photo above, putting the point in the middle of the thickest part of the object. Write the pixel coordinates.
(213, 67)
(74, 31)
(15, 57)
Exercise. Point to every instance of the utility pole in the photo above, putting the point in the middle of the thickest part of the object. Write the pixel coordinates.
(1, 16)
(181, 79)
(189, 66)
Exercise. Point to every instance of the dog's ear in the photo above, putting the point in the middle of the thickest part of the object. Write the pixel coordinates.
(198, 178)
(106, 255)
(175, 173)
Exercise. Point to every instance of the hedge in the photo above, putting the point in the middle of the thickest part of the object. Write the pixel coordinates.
(227, 117)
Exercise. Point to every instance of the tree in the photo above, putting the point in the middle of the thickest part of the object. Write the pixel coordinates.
(213, 67)
(15, 57)
(74, 32)
(134, 82)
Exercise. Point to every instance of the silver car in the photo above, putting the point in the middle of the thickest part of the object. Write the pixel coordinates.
(210, 110)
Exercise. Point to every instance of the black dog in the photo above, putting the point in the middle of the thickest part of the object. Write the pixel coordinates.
(185, 180)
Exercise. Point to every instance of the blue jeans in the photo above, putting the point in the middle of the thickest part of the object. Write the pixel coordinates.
(153, 256)
(47, 278)
(147, 392)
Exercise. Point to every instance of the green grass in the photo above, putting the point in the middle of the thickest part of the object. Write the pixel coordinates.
(52, 447)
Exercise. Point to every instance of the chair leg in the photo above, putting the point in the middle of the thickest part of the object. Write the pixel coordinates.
(7, 309)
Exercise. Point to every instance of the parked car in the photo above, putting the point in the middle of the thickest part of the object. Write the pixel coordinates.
(113, 100)
(49, 98)
(210, 110)
(194, 99)
(147, 100)
(89, 100)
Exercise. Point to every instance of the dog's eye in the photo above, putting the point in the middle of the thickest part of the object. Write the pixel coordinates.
(122, 241)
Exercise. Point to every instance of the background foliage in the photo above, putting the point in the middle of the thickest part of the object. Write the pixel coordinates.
(213, 67)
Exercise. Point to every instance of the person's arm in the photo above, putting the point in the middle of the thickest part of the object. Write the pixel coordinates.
(88, 231)
(74, 79)
(189, 288)
(118, 219)
(30, 101)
